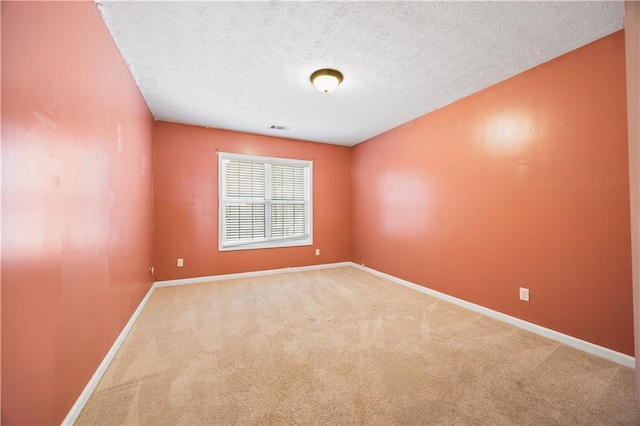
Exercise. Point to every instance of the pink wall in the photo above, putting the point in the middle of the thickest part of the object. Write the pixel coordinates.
(632, 48)
(77, 204)
(186, 202)
(522, 184)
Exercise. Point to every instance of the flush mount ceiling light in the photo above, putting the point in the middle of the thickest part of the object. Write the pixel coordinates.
(326, 79)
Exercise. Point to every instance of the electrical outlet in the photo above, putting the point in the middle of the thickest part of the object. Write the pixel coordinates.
(180, 263)
(317, 252)
(524, 294)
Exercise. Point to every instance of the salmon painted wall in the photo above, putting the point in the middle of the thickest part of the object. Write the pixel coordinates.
(186, 202)
(76, 204)
(524, 184)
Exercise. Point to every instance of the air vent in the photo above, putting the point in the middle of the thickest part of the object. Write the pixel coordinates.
(280, 128)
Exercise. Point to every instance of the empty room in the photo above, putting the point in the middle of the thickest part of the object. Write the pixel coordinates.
(308, 212)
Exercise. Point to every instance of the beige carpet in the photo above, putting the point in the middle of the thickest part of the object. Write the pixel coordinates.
(341, 346)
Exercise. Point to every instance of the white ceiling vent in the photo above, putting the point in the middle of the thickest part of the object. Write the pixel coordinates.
(281, 128)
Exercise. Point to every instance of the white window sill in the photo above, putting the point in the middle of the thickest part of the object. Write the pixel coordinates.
(267, 245)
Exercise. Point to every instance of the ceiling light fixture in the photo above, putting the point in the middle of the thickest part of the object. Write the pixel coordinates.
(326, 79)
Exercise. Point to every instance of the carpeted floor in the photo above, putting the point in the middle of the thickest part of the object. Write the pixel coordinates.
(341, 346)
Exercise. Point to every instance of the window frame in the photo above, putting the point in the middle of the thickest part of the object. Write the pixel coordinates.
(269, 242)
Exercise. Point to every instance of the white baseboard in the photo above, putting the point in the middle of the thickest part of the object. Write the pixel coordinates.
(77, 408)
(611, 355)
(212, 278)
(75, 411)
(591, 348)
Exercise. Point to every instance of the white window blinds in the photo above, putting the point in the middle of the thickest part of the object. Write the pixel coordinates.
(264, 202)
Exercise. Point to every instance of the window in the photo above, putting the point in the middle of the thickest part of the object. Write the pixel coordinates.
(264, 202)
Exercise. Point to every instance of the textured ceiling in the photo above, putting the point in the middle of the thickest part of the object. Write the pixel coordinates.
(245, 65)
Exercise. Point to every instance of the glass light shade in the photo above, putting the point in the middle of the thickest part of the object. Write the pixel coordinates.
(326, 80)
